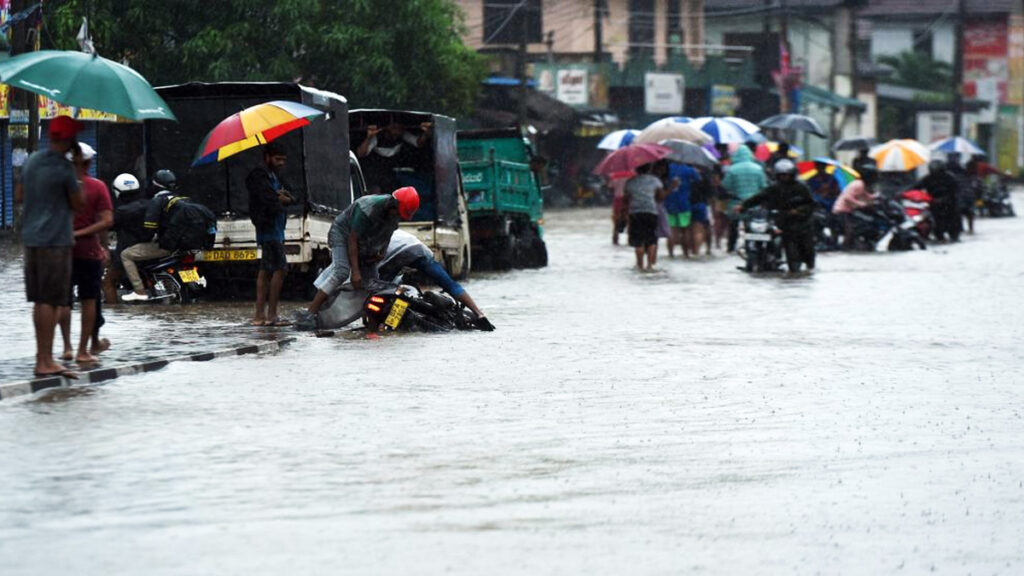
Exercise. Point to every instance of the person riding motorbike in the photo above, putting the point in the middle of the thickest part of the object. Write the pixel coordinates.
(165, 184)
(943, 188)
(129, 216)
(857, 195)
(177, 222)
(793, 201)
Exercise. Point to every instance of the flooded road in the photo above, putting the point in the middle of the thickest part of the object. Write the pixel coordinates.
(866, 420)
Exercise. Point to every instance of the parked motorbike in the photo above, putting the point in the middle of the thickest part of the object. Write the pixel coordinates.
(826, 230)
(885, 226)
(917, 207)
(995, 201)
(173, 279)
(408, 309)
(762, 242)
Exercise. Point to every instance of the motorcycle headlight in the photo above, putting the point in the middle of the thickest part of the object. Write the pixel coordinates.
(759, 226)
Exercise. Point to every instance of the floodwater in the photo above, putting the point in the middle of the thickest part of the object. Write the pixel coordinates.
(866, 420)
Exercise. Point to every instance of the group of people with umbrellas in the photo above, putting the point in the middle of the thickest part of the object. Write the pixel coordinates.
(693, 158)
(697, 206)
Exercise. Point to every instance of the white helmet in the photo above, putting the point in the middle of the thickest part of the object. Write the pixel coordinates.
(125, 183)
(785, 166)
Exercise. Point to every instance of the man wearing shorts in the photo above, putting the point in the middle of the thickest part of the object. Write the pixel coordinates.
(94, 218)
(267, 200)
(679, 207)
(50, 192)
(643, 192)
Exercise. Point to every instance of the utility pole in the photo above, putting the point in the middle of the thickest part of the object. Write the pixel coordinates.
(784, 103)
(598, 31)
(521, 62)
(958, 69)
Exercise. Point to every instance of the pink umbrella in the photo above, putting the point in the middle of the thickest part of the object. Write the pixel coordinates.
(628, 158)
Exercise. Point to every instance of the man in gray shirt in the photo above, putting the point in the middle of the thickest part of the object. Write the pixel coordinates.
(51, 193)
(643, 192)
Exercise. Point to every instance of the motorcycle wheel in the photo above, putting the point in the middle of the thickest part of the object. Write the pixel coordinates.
(750, 264)
(167, 288)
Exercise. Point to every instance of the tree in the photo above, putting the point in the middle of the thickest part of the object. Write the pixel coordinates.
(378, 53)
(917, 70)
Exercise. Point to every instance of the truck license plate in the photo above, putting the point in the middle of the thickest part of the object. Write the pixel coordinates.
(228, 255)
(397, 313)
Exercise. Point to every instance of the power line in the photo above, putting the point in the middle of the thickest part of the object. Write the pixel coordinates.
(505, 23)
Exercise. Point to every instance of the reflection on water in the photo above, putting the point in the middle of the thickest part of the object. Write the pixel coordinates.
(862, 420)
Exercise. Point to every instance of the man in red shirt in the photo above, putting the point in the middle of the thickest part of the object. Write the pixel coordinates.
(87, 257)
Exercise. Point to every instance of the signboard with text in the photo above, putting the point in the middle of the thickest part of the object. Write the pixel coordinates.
(664, 93)
(572, 87)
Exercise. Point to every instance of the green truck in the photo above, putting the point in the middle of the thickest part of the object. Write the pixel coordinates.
(504, 199)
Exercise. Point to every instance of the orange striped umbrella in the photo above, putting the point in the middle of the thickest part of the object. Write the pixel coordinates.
(900, 155)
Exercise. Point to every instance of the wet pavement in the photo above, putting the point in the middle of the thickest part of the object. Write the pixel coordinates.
(864, 420)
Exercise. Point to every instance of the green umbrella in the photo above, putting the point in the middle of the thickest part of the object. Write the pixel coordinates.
(86, 81)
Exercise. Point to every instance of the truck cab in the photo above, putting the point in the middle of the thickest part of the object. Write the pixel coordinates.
(417, 149)
(504, 198)
(321, 172)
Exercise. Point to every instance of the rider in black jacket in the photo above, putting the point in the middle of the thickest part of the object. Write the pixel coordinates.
(794, 203)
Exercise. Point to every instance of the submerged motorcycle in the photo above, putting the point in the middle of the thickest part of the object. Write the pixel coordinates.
(885, 226)
(995, 201)
(408, 309)
(762, 242)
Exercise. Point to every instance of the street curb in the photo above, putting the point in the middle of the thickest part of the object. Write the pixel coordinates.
(98, 375)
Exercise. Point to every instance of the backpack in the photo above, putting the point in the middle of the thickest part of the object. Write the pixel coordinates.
(190, 226)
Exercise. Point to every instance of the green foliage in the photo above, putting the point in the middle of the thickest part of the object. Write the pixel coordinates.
(917, 70)
(378, 53)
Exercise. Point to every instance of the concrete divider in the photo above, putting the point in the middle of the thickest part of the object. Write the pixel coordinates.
(12, 389)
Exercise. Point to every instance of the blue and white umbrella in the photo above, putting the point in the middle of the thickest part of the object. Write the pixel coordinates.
(726, 130)
(959, 145)
(617, 139)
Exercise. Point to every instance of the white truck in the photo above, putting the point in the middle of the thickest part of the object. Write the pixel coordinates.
(422, 154)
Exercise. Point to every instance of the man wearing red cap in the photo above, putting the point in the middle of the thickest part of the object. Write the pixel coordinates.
(51, 193)
(359, 238)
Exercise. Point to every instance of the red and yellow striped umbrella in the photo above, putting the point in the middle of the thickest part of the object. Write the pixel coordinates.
(253, 127)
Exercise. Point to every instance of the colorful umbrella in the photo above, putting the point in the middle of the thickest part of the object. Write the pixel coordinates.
(962, 146)
(900, 155)
(726, 130)
(628, 158)
(843, 174)
(253, 127)
(86, 81)
(674, 128)
(617, 139)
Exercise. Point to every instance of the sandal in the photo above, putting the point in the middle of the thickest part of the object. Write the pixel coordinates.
(69, 374)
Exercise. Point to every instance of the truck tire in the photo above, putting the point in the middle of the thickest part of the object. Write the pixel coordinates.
(505, 251)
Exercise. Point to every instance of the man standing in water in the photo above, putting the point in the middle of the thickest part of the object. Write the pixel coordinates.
(267, 201)
(94, 218)
(643, 192)
(50, 192)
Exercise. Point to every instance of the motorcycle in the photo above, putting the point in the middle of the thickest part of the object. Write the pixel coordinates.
(885, 226)
(408, 309)
(762, 242)
(917, 207)
(173, 279)
(995, 201)
(826, 230)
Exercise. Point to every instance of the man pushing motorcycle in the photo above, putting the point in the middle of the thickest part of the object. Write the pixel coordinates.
(359, 239)
(794, 203)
